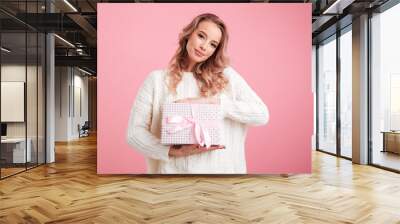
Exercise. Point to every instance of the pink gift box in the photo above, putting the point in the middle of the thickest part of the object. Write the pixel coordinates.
(184, 123)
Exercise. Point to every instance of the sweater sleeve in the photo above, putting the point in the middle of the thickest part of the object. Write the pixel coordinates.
(138, 132)
(244, 105)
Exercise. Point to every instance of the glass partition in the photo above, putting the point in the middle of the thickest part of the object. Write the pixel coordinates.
(13, 109)
(31, 100)
(22, 77)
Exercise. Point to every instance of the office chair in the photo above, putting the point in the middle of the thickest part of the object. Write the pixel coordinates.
(84, 130)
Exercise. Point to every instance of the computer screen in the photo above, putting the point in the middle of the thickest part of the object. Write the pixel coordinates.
(3, 129)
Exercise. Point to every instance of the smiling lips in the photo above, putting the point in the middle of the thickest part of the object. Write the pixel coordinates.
(198, 53)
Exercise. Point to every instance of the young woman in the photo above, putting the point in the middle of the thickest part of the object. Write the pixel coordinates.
(197, 73)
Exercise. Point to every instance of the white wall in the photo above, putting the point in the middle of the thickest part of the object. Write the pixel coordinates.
(80, 103)
(61, 103)
(70, 84)
(9, 73)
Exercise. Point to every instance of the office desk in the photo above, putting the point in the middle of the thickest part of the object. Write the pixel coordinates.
(391, 141)
(13, 150)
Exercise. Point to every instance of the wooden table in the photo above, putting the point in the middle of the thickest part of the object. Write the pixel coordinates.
(391, 141)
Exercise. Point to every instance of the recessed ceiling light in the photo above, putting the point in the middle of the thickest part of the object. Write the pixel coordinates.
(86, 72)
(70, 5)
(64, 40)
(5, 49)
(338, 6)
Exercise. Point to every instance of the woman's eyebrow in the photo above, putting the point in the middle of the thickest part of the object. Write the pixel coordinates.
(203, 32)
(216, 42)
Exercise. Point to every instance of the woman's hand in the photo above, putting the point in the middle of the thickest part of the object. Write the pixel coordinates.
(200, 100)
(187, 150)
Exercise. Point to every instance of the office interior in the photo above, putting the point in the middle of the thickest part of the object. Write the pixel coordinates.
(49, 81)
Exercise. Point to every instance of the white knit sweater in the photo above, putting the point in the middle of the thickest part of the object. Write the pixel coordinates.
(240, 105)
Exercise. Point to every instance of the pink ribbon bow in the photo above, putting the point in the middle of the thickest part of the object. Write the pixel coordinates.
(200, 133)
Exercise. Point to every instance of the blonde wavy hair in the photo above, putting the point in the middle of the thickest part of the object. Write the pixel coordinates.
(208, 73)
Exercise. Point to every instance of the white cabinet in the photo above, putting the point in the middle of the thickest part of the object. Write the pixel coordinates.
(17, 147)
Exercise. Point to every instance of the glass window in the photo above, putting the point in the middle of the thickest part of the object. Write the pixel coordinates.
(327, 95)
(385, 88)
(314, 78)
(346, 93)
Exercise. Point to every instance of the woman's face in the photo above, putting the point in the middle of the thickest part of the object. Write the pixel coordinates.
(203, 42)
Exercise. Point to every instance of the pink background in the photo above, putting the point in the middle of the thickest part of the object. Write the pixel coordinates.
(270, 46)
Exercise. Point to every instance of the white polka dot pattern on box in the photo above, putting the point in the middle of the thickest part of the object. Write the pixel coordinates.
(209, 116)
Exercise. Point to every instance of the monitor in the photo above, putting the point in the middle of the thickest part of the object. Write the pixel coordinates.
(3, 129)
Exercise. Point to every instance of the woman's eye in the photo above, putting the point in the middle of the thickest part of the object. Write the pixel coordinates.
(200, 35)
(214, 45)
